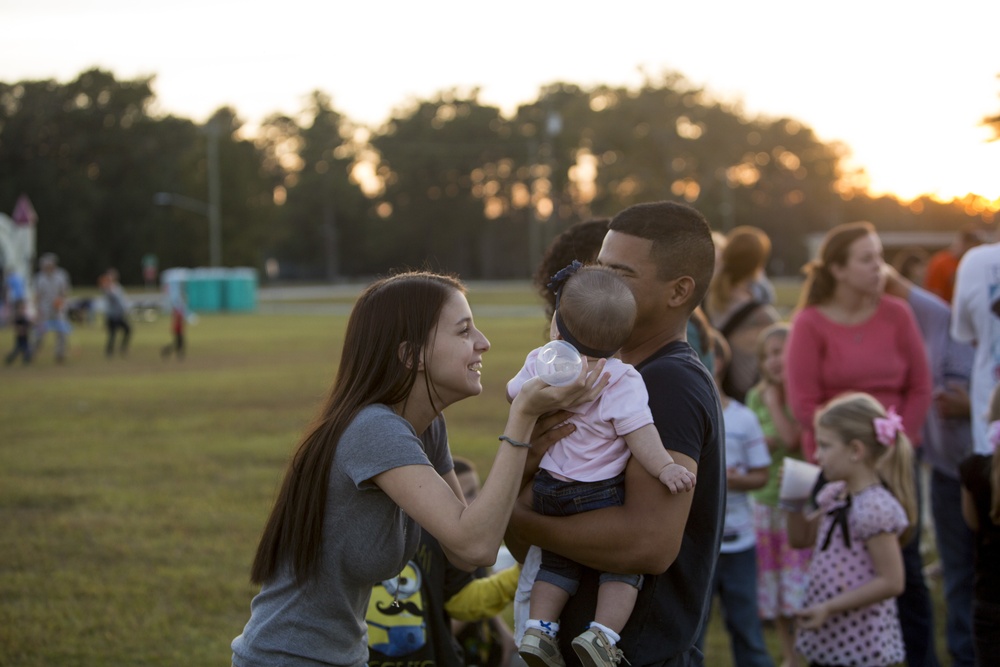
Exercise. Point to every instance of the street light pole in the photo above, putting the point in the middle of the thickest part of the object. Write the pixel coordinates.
(214, 212)
(212, 209)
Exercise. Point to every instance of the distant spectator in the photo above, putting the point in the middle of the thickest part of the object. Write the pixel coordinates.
(720, 241)
(943, 264)
(52, 288)
(22, 334)
(980, 476)
(179, 316)
(947, 441)
(911, 263)
(734, 305)
(782, 572)
(975, 320)
(864, 513)
(13, 291)
(747, 468)
(115, 312)
(581, 242)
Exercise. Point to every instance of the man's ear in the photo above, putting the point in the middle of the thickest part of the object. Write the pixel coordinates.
(679, 291)
(406, 356)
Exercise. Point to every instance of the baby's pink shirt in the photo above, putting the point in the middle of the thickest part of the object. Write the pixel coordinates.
(596, 450)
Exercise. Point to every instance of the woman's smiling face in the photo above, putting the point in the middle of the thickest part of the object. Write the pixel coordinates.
(454, 358)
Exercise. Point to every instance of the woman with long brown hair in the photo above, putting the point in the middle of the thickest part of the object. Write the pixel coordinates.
(362, 484)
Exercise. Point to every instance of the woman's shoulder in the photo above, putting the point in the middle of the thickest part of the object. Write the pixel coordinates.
(809, 317)
(376, 417)
(895, 313)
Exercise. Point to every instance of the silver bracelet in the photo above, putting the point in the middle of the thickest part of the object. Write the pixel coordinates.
(514, 442)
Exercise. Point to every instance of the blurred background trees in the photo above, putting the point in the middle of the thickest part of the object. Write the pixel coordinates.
(447, 183)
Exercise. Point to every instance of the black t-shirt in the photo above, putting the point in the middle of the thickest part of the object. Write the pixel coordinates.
(975, 474)
(418, 632)
(672, 607)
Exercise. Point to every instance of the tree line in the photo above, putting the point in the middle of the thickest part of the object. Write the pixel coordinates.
(448, 183)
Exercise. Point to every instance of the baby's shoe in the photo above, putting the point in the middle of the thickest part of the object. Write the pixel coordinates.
(595, 649)
(540, 650)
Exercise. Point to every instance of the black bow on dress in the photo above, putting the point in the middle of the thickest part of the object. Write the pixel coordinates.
(839, 515)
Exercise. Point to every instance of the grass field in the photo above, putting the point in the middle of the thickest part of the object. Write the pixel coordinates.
(133, 491)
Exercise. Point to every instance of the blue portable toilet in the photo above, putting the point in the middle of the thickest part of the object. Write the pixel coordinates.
(204, 289)
(239, 290)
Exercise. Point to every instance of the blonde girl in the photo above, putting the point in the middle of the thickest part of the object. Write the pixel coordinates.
(781, 570)
(867, 508)
(981, 508)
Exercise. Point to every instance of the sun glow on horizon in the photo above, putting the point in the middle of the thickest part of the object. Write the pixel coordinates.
(910, 115)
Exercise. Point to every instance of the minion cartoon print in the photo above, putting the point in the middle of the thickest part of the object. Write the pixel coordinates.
(397, 621)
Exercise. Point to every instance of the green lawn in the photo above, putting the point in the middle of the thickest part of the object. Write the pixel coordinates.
(132, 491)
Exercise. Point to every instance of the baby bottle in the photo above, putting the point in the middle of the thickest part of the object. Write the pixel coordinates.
(558, 363)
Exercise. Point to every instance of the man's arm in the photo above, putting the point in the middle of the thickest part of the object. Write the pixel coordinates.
(646, 531)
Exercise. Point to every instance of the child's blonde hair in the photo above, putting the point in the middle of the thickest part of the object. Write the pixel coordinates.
(777, 329)
(995, 468)
(852, 417)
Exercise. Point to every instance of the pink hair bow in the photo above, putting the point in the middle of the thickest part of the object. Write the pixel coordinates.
(888, 427)
(993, 434)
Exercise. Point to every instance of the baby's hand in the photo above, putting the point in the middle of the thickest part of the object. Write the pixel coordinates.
(677, 478)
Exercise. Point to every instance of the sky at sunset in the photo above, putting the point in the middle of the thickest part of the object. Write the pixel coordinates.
(904, 87)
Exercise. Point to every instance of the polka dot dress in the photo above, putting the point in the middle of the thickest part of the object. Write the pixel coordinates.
(868, 635)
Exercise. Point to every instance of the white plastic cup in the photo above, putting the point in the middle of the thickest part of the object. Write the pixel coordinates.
(797, 479)
(558, 363)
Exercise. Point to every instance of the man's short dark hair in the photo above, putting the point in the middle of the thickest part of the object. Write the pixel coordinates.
(682, 241)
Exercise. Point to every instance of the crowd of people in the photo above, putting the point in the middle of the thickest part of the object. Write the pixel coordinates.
(48, 308)
(651, 484)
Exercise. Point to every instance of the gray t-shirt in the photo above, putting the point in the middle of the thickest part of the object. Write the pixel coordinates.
(49, 288)
(366, 539)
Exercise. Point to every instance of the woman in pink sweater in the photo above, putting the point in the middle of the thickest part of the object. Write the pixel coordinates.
(849, 336)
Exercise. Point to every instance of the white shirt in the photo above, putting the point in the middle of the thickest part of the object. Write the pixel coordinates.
(977, 286)
(746, 449)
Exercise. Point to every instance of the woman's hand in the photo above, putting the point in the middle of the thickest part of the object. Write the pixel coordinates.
(537, 398)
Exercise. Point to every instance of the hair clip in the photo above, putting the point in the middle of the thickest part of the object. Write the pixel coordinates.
(993, 434)
(889, 427)
(557, 281)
